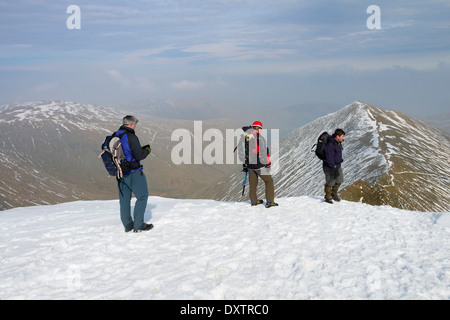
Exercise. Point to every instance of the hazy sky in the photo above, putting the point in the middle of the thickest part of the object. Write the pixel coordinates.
(238, 53)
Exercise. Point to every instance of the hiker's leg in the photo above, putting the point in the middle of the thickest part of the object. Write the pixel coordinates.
(140, 190)
(270, 193)
(339, 176)
(330, 181)
(125, 206)
(253, 179)
(328, 191)
(335, 189)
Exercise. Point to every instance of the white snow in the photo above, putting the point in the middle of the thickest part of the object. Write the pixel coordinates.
(204, 249)
(62, 113)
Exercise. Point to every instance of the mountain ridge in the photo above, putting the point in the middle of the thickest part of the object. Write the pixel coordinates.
(380, 146)
(49, 149)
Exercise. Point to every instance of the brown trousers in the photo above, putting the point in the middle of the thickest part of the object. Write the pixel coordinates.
(253, 178)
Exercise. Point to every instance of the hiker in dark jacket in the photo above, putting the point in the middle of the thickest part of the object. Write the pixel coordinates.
(134, 180)
(254, 154)
(332, 166)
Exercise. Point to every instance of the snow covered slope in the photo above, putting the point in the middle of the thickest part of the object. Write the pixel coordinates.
(204, 249)
(48, 151)
(389, 159)
(49, 154)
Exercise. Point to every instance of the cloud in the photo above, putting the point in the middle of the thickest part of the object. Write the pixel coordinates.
(188, 85)
(261, 50)
(117, 76)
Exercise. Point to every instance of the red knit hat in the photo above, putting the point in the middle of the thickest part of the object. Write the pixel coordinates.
(257, 124)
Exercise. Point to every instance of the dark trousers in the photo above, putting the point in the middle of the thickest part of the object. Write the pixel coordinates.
(136, 183)
(253, 178)
(333, 180)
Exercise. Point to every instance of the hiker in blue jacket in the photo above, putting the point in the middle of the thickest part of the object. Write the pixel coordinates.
(133, 180)
(332, 166)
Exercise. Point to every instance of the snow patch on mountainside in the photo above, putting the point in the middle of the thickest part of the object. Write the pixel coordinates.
(63, 113)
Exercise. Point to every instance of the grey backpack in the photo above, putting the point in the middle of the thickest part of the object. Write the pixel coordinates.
(113, 155)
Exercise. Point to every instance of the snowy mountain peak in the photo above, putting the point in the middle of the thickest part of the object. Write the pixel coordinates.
(389, 158)
(61, 112)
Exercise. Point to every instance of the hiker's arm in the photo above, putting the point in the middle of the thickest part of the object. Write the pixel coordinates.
(135, 146)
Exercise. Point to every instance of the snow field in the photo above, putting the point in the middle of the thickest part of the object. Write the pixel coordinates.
(204, 249)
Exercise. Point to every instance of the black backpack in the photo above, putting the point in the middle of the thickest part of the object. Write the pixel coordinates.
(323, 139)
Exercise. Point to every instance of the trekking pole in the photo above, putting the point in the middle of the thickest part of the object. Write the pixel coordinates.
(244, 183)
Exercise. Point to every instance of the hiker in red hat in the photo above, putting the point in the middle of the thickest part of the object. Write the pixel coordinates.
(254, 154)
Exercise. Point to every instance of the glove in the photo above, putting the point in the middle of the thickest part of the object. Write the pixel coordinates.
(244, 168)
(147, 147)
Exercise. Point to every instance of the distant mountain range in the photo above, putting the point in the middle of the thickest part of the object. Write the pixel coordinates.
(49, 149)
(49, 154)
(389, 159)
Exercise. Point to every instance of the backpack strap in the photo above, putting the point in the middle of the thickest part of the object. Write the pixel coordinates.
(118, 165)
(120, 135)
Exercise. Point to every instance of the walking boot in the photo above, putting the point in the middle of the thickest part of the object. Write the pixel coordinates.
(271, 204)
(328, 195)
(334, 193)
(146, 227)
(257, 202)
